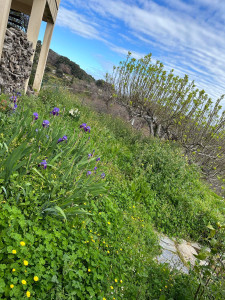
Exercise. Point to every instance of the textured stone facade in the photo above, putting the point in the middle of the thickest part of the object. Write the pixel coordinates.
(15, 64)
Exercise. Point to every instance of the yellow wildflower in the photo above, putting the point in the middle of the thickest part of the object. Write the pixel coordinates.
(121, 281)
(24, 281)
(103, 298)
(116, 280)
(13, 251)
(22, 243)
(25, 262)
(109, 223)
(89, 270)
(111, 287)
(36, 278)
(13, 270)
(11, 286)
(28, 294)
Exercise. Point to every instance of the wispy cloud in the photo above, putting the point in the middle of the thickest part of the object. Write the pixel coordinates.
(186, 36)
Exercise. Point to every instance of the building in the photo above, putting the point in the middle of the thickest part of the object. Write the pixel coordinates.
(38, 10)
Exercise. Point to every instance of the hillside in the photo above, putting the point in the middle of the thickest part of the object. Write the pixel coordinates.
(82, 197)
(60, 68)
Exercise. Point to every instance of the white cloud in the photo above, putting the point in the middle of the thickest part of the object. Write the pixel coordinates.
(189, 38)
(78, 24)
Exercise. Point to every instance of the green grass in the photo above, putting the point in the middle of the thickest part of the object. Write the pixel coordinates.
(107, 252)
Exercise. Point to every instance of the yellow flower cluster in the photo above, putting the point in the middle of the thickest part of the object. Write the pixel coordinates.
(25, 262)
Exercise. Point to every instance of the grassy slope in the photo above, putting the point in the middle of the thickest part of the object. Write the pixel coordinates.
(150, 186)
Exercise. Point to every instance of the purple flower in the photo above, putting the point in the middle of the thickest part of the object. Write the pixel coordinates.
(35, 116)
(45, 123)
(36, 129)
(19, 94)
(43, 163)
(88, 128)
(89, 155)
(14, 99)
(95, 168)
(85, 127)
(98, 159)
(88, 173)
(55, 111)
(64, 138)
(103, 175)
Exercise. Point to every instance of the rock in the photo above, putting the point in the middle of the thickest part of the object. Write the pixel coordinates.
(15, 64)
(167, 243)
(187, 252)
(196, 246)
(173, 260)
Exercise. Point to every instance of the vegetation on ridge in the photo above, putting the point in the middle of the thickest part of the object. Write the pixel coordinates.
(174, 109)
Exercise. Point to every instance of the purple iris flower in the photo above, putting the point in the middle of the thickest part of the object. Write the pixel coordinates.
(88, 128)
(89, 155)
(45, 123)
(103, 175)
(64, 138)
(98, 159)
(35, 116)
(88, 173)
(15, 107)
(43, 163)
(55, 111)
(95, 168)
(85, 127)
(19, 94)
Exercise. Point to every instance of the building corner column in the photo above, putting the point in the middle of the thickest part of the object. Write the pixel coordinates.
(34, 25)
(5, 6)
(43, 57)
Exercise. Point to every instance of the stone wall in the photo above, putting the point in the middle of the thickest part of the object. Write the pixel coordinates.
(15, 64)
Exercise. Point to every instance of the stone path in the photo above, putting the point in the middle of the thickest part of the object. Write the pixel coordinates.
(177, 255)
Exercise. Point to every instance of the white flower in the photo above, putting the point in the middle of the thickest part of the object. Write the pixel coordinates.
(74, 112)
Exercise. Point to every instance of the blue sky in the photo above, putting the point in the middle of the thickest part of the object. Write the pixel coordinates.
(187, 36)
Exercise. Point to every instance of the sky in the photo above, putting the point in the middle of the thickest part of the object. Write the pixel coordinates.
(185, 35)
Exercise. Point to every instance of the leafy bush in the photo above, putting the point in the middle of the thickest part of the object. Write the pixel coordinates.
(174, 109)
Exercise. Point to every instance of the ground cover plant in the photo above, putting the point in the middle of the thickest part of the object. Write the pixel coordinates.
(81, 196)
